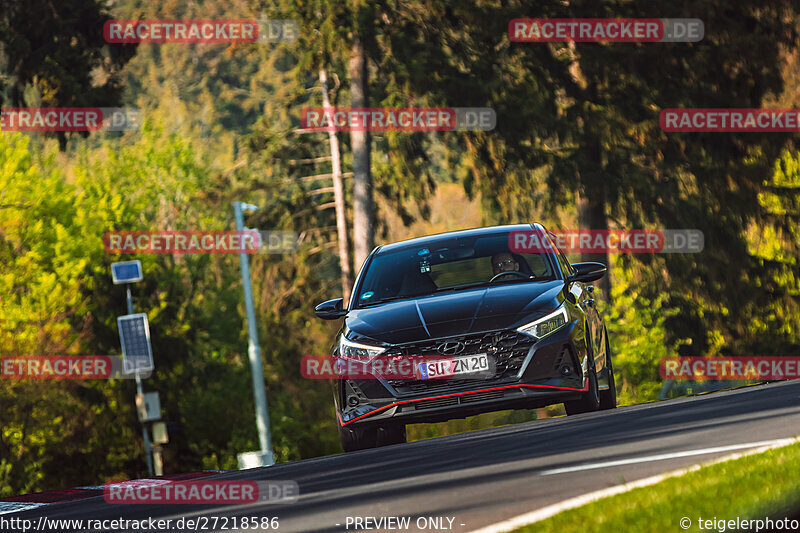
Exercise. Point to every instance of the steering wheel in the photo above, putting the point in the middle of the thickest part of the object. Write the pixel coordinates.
(509, 272)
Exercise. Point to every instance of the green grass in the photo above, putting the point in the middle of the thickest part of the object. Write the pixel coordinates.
(757, 486)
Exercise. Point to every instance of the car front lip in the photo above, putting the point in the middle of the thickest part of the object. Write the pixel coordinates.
(373, 410)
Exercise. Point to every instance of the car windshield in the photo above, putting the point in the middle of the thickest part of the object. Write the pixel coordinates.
(448, 264)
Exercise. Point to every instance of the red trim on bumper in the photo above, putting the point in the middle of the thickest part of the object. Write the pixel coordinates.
(343, 423)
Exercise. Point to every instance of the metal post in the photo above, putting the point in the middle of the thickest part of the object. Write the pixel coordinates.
(140, 392)
(253, 349)
(158, 460)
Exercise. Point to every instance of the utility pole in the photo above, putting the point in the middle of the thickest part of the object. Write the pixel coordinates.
(338, 195)
(140, 392)
(254, 352)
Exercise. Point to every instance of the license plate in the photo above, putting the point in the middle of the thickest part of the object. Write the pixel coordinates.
(455, 366)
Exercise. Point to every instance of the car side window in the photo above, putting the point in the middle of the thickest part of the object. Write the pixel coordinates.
(567, 264)
(566, 267)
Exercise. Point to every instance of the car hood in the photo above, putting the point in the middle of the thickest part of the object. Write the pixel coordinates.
(456, 313)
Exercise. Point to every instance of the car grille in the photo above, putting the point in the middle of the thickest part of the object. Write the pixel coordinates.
(506, 348)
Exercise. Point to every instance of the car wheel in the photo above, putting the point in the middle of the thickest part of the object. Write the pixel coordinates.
(395, 434)
(590, 401)
(354, 439)
(608, 397)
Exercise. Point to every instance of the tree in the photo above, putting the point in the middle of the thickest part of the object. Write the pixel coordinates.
(363, 209)
(342, 37)
(40, 70)
(584, 118)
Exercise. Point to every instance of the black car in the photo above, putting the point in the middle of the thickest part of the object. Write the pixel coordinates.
(522, 325)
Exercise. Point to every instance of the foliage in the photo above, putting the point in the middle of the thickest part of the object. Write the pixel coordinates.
(51, 430)
(222, 125)
(637, 336)
(38, 70)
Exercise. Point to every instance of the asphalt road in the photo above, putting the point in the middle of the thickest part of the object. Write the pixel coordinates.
(487, 476)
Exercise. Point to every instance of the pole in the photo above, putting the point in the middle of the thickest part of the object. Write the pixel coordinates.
(140, 392)
(253, 349)
(158, 460)
(338, 195)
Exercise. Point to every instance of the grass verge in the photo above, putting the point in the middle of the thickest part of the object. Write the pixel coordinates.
(752, 487)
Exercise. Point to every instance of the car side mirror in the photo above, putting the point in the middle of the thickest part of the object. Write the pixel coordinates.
(587, 272)
(330, 310)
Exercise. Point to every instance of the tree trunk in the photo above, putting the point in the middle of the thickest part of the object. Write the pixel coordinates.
(592, 215)
(592, 200)
(363, 208)
(338, 195)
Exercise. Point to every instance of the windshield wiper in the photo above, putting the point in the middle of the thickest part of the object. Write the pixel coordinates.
(387, 299)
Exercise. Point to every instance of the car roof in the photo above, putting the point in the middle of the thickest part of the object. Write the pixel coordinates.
(475, 232)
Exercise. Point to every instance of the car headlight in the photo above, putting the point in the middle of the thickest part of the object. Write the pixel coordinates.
(546, 325)
(354, 350)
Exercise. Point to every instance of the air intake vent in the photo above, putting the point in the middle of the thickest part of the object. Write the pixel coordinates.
(438, 402)
(562, 357)
(482, 396)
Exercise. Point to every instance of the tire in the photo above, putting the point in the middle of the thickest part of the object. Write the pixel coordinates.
(590, 401)
(389, 435)
(354, 439)
(608, 397)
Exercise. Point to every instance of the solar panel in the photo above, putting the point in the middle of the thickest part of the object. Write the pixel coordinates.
(126, 272)
(134, 334)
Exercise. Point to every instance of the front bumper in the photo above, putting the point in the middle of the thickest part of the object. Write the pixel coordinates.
(528, 374)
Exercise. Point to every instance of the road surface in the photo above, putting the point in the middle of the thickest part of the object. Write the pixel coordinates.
(472, 480)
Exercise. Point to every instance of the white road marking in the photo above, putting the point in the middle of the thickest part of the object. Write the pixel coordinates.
(15, 507)
(552, 510)
(660, 457)
(132, 482)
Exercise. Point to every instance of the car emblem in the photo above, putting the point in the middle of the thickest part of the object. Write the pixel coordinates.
(451, 348)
